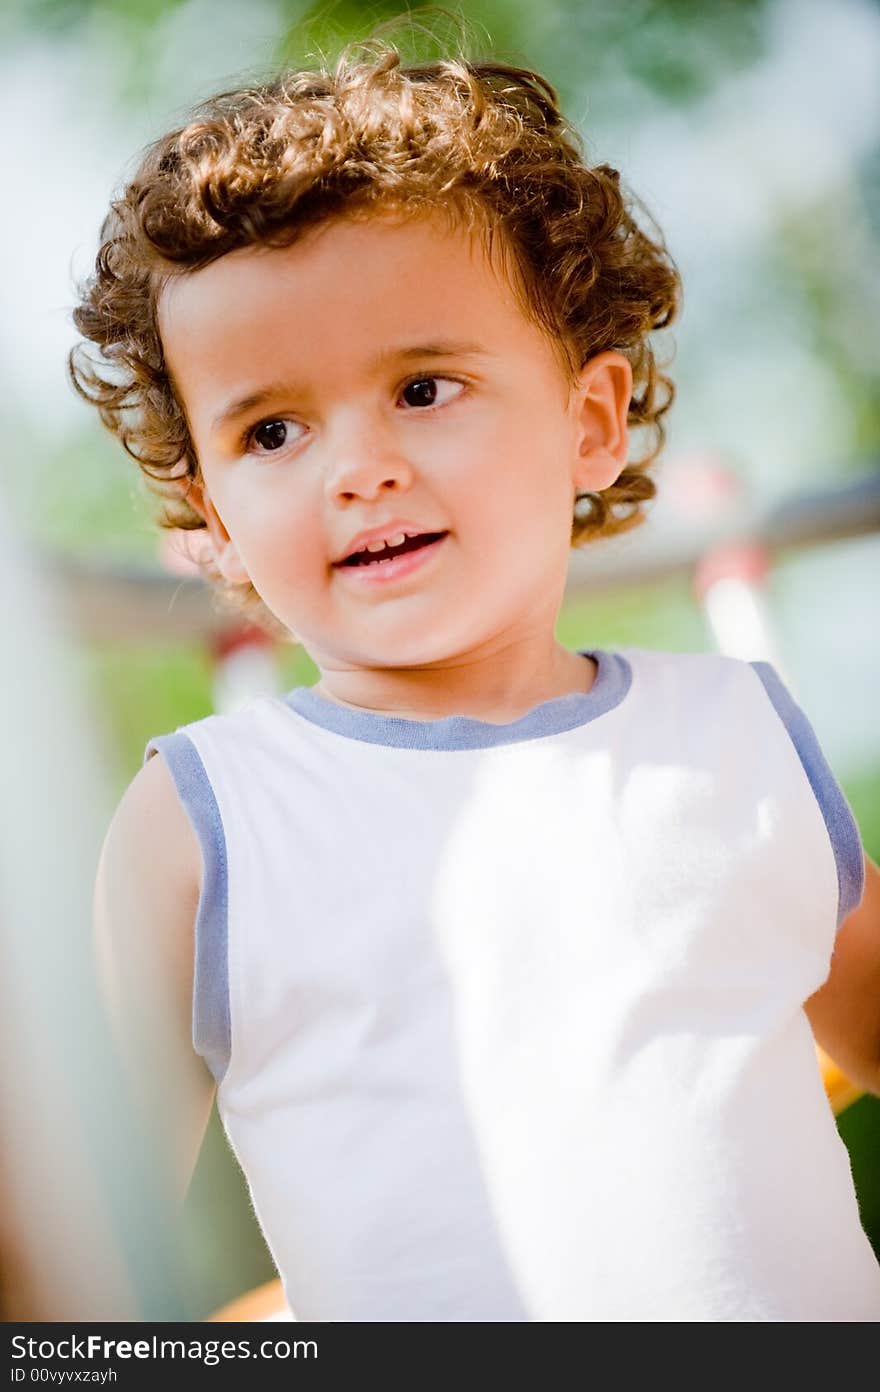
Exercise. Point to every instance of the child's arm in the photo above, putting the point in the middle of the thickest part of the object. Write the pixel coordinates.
(845, 1012)
(146, 898)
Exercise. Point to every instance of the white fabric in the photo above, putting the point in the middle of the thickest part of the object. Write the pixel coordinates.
(517, 1030)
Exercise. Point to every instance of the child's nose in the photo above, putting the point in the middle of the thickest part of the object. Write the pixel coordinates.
(365, 467)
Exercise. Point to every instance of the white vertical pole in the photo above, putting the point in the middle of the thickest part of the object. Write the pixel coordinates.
(83, 1227)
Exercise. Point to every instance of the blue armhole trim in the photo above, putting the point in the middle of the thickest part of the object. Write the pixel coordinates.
(211, 1030)
(842, 828)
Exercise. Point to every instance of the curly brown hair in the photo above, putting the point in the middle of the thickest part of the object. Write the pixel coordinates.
(485, 141)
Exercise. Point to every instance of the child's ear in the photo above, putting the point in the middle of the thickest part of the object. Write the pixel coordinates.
(601, 403)
(226, 556)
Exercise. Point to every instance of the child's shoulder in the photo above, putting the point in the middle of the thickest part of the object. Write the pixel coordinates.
(207, 762)
(744, 706)
(744, 699)
(254, 720)
(150, 828)
(698, 676)
(684, 660)
(746, 709)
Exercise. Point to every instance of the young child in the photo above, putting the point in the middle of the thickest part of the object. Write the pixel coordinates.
(503, 959)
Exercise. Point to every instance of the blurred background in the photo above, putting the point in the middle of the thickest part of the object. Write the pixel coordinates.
(750, 130)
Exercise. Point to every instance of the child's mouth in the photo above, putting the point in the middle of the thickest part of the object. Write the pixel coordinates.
(395, 561)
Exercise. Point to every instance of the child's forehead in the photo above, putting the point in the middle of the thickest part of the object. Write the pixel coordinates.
(414, 253)
(348, 282)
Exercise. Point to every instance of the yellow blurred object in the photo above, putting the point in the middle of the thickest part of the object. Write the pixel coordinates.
(262, 1303)
(267, 1302)
(841, 1091)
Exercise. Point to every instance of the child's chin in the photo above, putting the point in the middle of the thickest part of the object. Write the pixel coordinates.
(403, 651)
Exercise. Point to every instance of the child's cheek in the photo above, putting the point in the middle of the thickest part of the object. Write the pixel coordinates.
(287, 551)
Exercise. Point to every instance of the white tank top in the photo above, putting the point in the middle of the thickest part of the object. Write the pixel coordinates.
(507, 1020)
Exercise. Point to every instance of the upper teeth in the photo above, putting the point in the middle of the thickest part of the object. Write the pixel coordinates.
(390, 541)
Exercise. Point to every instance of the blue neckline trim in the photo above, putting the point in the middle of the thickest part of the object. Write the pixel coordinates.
(612, 682)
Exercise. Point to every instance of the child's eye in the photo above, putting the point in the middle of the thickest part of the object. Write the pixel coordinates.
(270, 435)
(423, 390)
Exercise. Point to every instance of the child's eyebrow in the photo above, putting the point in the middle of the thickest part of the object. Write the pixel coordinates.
(441, 349)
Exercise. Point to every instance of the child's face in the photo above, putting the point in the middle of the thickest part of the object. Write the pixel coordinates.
(400, 386)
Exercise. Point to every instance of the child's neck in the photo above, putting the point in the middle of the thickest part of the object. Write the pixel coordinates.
(499, 689)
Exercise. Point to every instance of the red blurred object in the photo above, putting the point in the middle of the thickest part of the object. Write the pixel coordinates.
(701, 487)
(748, 561)
(238, 636)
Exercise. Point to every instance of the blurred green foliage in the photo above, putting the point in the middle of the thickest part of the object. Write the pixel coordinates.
(676, 47)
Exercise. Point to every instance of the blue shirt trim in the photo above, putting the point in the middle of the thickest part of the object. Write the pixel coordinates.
(610, 685)
(211, 1026)
(839, 820)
